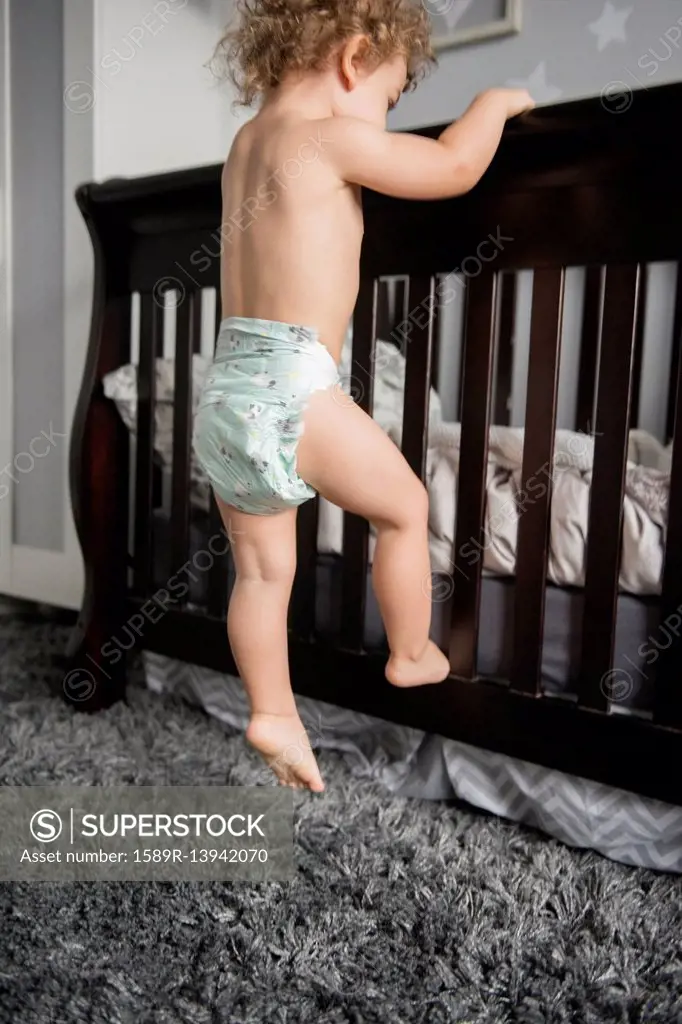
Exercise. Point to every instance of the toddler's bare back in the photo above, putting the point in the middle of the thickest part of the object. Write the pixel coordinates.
(292, 229)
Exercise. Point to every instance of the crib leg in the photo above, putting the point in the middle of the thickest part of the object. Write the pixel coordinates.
(95, 672)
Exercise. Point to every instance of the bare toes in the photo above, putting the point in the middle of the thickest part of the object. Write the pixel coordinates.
(283, 743)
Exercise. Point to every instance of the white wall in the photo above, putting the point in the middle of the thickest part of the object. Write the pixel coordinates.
(157, 106)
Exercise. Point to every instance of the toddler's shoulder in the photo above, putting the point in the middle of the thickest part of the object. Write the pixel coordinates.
(338, 136)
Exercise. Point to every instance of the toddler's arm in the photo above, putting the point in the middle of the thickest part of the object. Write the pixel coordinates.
(413, 167)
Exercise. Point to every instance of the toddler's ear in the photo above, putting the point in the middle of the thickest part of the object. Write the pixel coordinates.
(353, 60)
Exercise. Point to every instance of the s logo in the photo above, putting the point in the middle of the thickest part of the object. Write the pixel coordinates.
(46, 826)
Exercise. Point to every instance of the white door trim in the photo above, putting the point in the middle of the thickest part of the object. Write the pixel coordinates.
(45, 576)
(6, 405)
(79, 154)
(54, 577)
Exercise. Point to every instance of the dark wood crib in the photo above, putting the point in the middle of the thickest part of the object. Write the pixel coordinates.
(574, 185)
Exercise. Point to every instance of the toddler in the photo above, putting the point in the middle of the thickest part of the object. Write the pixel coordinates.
(274, 426)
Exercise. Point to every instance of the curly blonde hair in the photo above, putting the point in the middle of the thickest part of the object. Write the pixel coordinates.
(273, 37)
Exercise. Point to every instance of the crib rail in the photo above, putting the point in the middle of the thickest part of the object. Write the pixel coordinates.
(419, 376)
(188, 324)
(505, 348)
(469, 534)
(589, 348)
(356, 529)
(151, 331)
(536, 479)
(606, 500)
(668, 694)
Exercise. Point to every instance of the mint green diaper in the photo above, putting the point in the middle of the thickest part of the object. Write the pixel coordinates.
(250, 414)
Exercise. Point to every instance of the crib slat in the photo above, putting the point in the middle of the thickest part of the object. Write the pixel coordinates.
(461, 354)
(401, 312)
(589, 349)
(302, 618)
(197, 321)
(435, 334)
(218, 538)
(668, 666)
(384, 325)
(355, 528)
(151, 340)
(639, 346)
(604, 537)
(418, 375)
(217, 543)
(676, 355)
(478, 356)
(185, 341)
(536, 479)
(505, 348)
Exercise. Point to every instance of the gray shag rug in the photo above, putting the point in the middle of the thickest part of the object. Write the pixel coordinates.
(402, 910)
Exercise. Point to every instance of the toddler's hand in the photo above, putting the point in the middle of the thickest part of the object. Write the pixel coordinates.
(518, 101)
(514, 101)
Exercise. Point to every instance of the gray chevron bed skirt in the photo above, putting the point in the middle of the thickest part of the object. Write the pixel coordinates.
(620, 825)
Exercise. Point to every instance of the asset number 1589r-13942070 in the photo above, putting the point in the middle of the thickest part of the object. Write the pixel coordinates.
(166, 856)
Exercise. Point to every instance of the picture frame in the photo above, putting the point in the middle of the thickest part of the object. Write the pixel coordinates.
(455, 24)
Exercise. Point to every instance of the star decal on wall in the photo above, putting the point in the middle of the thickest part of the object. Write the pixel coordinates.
(537, 85)
(610, 27)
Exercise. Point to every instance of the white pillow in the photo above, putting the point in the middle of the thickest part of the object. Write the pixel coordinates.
(389, 386)
(121, 387)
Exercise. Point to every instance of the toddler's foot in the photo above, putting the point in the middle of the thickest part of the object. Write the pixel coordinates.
(283, 743)
(431, 667)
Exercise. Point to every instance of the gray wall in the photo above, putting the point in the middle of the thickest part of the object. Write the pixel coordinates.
(555, 33)
(36, 48)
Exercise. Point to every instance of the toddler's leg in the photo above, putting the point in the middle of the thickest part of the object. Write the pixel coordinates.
(264, 549)
(346, 456)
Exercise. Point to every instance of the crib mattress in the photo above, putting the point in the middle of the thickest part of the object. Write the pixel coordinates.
(636, 626)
